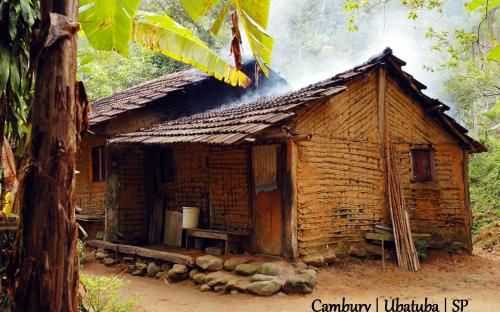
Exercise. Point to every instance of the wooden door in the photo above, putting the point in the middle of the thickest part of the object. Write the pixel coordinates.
(268, 225)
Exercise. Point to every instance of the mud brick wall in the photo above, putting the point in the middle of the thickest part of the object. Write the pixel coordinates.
(90, 196)
(339, 172)
(214, 179)
(438, 208)
(190, 185)
(228, 167)
(130, 193)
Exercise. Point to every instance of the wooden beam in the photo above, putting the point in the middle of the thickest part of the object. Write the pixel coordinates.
(144, 252)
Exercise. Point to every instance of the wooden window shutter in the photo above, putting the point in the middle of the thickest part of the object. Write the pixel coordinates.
(265, 165)
(98, 164)
(422, 165)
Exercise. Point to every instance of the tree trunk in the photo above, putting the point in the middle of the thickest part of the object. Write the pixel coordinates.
(45, 269)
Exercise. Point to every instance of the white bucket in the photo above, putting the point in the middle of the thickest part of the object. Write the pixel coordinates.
(190, 217)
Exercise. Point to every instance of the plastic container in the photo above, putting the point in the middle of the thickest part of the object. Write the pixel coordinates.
(190, 217)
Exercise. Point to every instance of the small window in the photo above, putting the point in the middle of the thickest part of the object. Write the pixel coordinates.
(422, 160)
(98, 164)
(167, 165)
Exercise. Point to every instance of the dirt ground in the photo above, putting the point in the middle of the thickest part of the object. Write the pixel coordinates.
(476, 278)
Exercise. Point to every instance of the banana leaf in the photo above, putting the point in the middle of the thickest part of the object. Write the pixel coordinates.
(108, 24)
(164, 35)
(254, 15)
(221, 16)
(197, 8)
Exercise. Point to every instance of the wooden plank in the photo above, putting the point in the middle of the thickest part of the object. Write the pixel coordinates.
(390, 236)
(173, 229)
(143, 252)
(206, 234)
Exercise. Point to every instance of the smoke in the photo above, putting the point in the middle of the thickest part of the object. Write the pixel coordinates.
(312, 41)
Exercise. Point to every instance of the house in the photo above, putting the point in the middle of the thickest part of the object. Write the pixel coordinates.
(297, 174)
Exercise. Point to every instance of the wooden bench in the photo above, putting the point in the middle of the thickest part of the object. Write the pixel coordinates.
(227, 237)
(389, 237)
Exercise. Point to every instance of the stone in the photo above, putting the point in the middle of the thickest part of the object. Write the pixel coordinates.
(261, 278)
(139, 272)
(100, 250)
(179, 272)
(108, 261)
(300, 265)
(234, 292)
(209, 263)
(89, 257)
(219, 288)
(231, 264)
(358, 250)
(247, 269)
(205, 287)
(131, 268)
(152, 269)
(100, 255)
(214, 251)
(128, 260)
(192, 273)
(199, 278)
(269, 268)
(141, 266)
(161, 275)
(264, 288)
(216, 278)
(302, 283)
(238, 285)
(315, 260)
(165, 267)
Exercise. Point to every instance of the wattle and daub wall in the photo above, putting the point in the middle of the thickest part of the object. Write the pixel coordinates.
(341, 172)
(204, 177)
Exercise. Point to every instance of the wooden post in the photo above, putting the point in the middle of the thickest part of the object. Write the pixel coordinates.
(290, 200)
(111, 209)
(468, 207)
(383, 255)
(382, 130)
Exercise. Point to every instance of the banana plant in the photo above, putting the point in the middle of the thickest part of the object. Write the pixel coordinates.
(253, 14)
(112, 24)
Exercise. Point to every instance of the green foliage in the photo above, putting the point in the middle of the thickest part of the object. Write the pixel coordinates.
(16, 19)
(421, 246)
(357, 8)
(110, 25)
(80, 247)
(484, 182)
(102, 294)
(109, 72)
(160, 33)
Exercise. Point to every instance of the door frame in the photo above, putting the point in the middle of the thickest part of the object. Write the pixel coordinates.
(281, 175)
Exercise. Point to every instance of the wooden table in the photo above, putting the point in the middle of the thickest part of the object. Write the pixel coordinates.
(382, 237)
(227, 237)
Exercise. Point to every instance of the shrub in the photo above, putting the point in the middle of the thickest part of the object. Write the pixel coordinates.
(102, 295)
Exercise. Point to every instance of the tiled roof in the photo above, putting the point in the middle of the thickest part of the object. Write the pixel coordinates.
(233, 121)
(136, 97)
